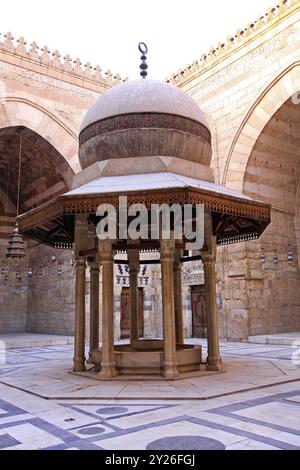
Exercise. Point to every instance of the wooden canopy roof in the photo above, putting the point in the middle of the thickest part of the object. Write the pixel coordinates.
(236, 217)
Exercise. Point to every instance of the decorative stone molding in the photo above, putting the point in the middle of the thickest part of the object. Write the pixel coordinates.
(43, 56)
(254, 28)
(145, 120)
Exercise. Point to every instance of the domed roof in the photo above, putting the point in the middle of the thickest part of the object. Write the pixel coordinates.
(144, 118)
(143, 96)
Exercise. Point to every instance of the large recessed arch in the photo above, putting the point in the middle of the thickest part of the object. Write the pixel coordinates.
(269, 102)
(18, 111)
(272, 175)
(45, 173)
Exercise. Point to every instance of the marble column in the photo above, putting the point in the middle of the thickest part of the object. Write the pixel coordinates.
(167, 248)
(134, 268)
(179, 322)
(108, 355)
(79, 342)
(214, 362)
(94, 303)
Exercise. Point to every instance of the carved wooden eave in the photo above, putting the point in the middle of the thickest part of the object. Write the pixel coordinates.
(235, 219)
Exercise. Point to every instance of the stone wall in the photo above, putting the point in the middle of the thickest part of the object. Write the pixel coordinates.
(13, 293)
(245, 88)
(49, 95)
(50, 307)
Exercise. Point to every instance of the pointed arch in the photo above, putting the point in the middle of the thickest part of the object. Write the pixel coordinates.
(268, 103)
(19, 111)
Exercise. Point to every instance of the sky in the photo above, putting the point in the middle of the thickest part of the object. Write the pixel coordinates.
(107, 32)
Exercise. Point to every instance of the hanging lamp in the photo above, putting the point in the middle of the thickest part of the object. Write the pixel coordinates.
(15, 249)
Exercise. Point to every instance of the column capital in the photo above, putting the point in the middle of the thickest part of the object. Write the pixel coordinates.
(80, 262)
(94, 265)
(167, 249)
(207, 257)
(209, 251)
(105, 250)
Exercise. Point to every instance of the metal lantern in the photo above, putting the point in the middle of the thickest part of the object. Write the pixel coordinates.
(262, 256)
(290, 257)
(15, 249)
(4, 270)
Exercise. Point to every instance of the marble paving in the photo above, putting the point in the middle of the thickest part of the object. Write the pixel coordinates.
(77, 417)
(46, 372)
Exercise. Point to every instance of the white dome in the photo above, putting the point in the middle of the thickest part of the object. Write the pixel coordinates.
(143, 96)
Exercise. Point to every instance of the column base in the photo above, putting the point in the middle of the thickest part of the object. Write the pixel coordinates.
(170, 372)
(79, 365)
(108, 371)
(214, 365)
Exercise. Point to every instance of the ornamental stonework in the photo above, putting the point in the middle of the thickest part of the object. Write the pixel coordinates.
(146, 121)
(251, 61)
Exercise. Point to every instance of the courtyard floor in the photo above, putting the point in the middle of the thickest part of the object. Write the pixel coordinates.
(254, 404)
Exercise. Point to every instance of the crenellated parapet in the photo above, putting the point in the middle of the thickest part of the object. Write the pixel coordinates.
(34, 55)
(233, 42)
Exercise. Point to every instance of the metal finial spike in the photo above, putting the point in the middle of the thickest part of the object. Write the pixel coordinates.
(144, 50)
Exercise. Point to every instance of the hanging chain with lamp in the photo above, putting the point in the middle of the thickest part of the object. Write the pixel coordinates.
(15, 248)
(276, 257)
(262, 256)
(290, 256)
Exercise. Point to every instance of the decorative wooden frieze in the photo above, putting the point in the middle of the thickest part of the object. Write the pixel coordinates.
(218, 203)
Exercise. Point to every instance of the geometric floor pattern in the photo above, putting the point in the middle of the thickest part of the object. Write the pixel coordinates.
(266, 419)
(269, 422)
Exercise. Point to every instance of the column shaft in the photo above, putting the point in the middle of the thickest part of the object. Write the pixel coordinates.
(179, 322)
(79, 343)
(133, 261)
(167, 259)
(108, 356)
(94, 305)
(214, 362)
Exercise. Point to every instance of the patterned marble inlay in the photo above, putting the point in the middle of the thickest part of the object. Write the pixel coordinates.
(186, 443)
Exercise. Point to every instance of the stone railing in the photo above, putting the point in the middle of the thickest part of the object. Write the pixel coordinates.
(215, 53)
(53, 61)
